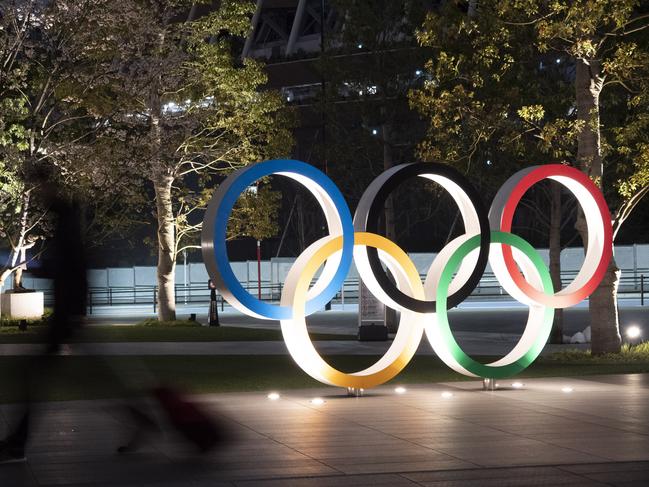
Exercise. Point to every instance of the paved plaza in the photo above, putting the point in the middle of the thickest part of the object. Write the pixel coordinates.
(561, 431)
(551, 432)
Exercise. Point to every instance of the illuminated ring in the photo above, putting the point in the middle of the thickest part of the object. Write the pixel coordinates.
(600, 235)
(539, 322)
(295, 332)
(474, 216)
(338, 219)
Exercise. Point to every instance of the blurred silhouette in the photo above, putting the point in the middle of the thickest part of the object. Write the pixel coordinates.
(66, 265)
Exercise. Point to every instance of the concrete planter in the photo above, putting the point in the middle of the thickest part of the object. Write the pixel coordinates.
(22, 305)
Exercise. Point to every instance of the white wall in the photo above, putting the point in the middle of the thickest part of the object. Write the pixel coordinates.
(632, 259)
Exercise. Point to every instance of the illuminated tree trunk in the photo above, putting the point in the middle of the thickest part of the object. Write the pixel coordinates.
(166, 249)
(162, 182)
(603, 302)
(19, 251)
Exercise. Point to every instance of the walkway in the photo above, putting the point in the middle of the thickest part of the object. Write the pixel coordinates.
(436, 435)
(492, 344)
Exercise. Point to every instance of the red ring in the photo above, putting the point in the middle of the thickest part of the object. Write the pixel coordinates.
(517, 193)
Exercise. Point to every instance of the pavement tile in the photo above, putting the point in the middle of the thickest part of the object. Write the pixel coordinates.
(605, 467)
(618, 477)
(536, 436)
(333, 481)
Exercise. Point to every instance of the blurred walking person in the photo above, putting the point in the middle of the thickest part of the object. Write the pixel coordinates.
(66, 266)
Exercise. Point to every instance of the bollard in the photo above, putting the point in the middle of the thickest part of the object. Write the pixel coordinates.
(642, 290)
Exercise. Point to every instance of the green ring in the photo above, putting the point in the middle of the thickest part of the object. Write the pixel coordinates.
(482, 370)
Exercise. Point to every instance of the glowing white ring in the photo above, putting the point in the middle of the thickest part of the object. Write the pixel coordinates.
(296, 335)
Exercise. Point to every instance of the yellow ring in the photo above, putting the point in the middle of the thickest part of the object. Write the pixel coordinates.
(296, 335)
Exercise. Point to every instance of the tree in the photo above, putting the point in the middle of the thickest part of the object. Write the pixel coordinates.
(609, 48)
(485, 86)
(14, 197)
(526, 78)
(370, 64)
(48, 123)
(188, 111)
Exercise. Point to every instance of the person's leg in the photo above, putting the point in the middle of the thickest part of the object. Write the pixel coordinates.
(12, 447)
(19, 435)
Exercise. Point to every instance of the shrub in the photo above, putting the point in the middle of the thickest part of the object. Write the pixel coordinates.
(177, 323)
(629, 353)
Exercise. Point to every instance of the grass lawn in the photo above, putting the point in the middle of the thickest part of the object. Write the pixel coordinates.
(158, 333)
(79, 377)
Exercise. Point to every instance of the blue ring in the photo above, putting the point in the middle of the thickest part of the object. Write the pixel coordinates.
(245, 178)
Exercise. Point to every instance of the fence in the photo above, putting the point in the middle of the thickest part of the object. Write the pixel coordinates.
(137, 285)
(488, 289)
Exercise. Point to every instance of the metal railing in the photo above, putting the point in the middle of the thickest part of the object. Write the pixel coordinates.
(489, 288)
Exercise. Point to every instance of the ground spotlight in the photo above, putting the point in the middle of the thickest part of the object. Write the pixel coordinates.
(400, 390)
(273, 396)
(447, 395)
(518, 385)
(317, 401)
(633, 332)
(567, 389)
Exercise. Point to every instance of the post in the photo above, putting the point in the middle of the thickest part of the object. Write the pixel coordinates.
(185, 273)
(635, 265)
(259, 269)
(642, 290)
(155, 299)
(213, 318)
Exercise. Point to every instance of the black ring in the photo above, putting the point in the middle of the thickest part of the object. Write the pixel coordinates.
(370, 208)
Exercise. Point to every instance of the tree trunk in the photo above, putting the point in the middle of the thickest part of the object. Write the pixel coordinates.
(301, 239)
(388, 162)
(555, 257)
(18, 273)
(162, 179)
(391, 320)
(604, 322)
(604, 317)
(3, 276)
(18, 251)
(473, 9)
(166, 248)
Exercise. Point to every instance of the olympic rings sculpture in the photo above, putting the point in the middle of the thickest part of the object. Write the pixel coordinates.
(453, 275)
